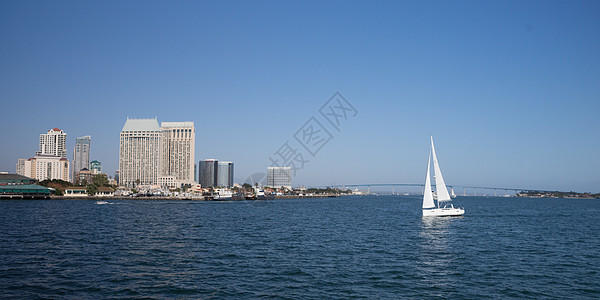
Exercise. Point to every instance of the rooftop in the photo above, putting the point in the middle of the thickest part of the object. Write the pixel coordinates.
(13, 177)
(141, 125)
(177, 124)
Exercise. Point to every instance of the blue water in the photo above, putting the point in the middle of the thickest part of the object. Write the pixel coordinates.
(349, 247)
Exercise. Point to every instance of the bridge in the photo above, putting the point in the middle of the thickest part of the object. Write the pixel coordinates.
(458, 187)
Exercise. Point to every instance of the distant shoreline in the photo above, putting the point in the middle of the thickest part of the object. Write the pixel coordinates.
(198, 198)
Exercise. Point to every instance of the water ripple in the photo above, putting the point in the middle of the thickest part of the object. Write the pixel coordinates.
(376, 247)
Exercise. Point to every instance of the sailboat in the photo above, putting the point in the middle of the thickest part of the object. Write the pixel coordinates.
(452, 194)
(429, 205)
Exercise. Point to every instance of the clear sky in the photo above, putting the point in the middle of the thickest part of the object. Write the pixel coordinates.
(510, 90)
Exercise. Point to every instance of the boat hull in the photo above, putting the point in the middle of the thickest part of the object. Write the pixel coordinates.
(443, 212)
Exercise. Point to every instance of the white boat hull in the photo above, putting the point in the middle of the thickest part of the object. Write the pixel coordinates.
(443, 212)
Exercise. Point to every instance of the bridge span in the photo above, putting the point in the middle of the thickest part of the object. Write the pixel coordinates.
(458, 188)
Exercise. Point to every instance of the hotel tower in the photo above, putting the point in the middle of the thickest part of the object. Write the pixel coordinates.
(139, 152)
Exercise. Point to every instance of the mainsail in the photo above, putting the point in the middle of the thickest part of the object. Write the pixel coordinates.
(440, 186)
(427, 195)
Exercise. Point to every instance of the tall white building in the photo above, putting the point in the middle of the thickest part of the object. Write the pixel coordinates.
(177, 151)
(139, 152)
(81, 155)
(44, 166)
(53, 143)
(279, 177)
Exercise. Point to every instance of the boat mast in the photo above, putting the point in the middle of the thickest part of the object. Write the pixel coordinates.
(440, 186)
(427, 194)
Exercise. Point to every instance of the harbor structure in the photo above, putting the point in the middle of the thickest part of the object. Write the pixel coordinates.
(209, 173)
(19, 186)
(279, 177)
(81, 155)
(225, 174)
(139, 152)
(178, 140)
(53, 143)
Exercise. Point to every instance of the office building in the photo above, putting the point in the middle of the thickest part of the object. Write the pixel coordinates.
(209, 173)
(81, 155)
(225, 174)
(53, 143)
(21, 166)
(96, 167)
(139, 152)
(177, 152)
(278, 177)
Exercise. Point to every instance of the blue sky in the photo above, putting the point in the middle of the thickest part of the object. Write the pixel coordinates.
(510, 90)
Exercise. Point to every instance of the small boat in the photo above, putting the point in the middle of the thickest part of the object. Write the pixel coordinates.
(101, 202)
(429, 205)
(223, 194)
(452, 194)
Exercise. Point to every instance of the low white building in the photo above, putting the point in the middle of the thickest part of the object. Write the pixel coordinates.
(75, 192)
(105, 192)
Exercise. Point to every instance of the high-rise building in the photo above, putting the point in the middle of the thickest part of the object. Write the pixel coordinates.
(21, 166)
(53, 143)
(225, 174)
(209, 173)
(139, 152)
(279, 177)
(96, 167)
(177, 151)
(44, 166)
(81, 155)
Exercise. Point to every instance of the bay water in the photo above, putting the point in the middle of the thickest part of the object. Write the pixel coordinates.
(347, 247)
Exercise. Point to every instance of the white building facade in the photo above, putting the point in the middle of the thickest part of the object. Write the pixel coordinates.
(53, 143)
(139, 152)
(42, 167)
(278, 177)
(177, 151)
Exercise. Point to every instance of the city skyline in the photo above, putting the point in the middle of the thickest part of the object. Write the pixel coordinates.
(509, 90)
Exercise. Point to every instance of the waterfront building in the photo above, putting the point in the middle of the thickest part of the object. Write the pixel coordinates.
(18, 186)
(209, 173)
(279, 177)
(104, 191)
(139, 152)
(177, 152)
(75, 192)
(96, 167)
(53, 143)
(81, 155)
(225, 174)
(44, 166)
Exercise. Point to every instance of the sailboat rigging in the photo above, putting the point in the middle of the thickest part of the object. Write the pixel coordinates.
(443, 208)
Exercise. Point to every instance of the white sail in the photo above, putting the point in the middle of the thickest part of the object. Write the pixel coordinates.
(427, 195)
(440, 186)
